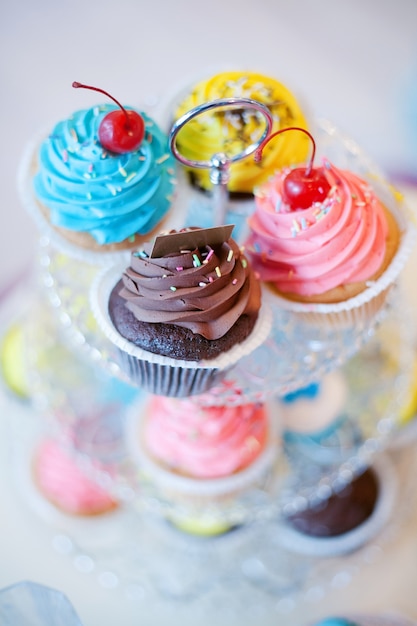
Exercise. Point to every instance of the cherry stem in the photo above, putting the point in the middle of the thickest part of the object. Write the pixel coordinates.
(77, 85)
(260, 148)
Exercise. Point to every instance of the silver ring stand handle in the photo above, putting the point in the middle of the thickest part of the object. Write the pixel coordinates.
(219, 164)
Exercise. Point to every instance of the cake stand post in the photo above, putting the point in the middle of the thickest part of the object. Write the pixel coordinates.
(220, 163)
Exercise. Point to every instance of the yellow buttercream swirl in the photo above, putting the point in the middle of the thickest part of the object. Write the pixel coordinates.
(231, 131)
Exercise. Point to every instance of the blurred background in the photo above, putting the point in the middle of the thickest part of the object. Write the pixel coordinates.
(354, 63)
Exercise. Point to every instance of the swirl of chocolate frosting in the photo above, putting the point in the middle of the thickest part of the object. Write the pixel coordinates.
(205, 289)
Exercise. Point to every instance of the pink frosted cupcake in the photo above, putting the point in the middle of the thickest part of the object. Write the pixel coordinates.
(61, 481)
(325, 243)
(204, 442)
(200, 459)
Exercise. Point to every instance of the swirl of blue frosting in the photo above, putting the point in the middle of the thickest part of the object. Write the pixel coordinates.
(110, 196)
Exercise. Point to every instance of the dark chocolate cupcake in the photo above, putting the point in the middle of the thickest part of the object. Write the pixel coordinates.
(185, 310)
(348, 519)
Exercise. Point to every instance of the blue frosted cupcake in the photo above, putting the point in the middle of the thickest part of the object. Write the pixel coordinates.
(315, 422)
(88, 198)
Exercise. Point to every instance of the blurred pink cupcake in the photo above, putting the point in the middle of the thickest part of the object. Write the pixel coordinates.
(201, 459)
(204, 442)
(62, 482)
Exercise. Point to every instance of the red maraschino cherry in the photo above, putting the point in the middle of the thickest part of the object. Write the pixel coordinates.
(121, 130)
(302, 186)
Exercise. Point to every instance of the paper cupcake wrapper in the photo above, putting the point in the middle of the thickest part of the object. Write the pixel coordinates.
(161, 374)
(174, 218)
(296, 541)
(168, 482)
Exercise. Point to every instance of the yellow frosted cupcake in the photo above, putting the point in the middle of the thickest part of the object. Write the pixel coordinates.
(231, 131)
(12, 361)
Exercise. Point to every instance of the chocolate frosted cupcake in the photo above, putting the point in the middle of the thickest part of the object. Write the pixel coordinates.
(346, 520)
(184, 311)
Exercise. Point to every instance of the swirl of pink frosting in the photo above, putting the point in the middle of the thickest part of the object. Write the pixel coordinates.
(307, 252)
(64, 484)
(204, 442)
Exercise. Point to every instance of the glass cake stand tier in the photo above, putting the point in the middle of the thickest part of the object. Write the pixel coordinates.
(89, 409)
(294, 354)
(247, 571)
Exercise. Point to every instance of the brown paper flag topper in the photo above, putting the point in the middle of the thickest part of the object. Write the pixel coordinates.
(172, 243)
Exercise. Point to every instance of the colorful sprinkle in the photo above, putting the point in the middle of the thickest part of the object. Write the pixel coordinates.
(234, 281)
(217, 270)
(179, 268)
(74, 134)
(230, 256)
(140, 253)
(129, 178)
(196, 261)
(244, 263)
(173, 288)
(202, 284)
(65, 155)
(122, 171)
(162, 159)
(112, 189)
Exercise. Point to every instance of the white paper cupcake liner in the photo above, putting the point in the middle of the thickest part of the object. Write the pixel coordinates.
(174, 218)
(165, 375)
(296, 541)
